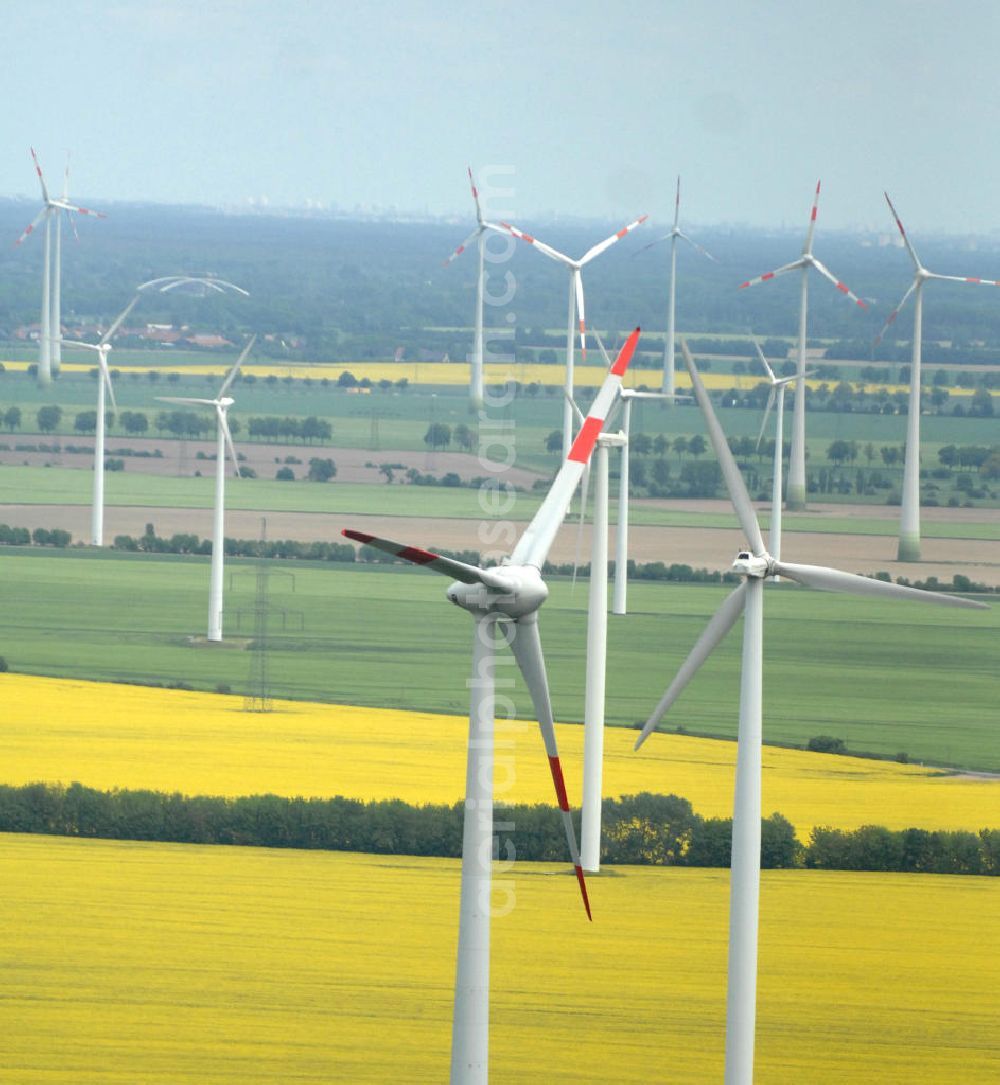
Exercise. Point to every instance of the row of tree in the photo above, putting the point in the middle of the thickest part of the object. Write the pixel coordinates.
(644, 829)
(291, 549)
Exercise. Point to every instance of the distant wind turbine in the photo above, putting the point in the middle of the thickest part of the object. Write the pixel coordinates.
(224, 441)
(576, 306)
(668, 351)
(101, 348)
(479, 235)
(754, 565)
(776, 394)
(796, 495)
(51, 322)
(909, 520)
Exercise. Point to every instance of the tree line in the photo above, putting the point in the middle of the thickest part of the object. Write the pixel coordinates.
(643, 829)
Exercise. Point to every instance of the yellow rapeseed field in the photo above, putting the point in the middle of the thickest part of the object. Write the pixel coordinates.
(107, 735)
(457, 373)
(181, 965)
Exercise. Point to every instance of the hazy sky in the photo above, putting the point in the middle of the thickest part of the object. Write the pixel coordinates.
(595, 106)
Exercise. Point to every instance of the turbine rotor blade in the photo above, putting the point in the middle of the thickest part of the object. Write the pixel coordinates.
(118, 321)
(795, 265)
(41, 179)
(962, 279)
(767, 411)
(677, 205)
(826, 579)
(581, 315)
(224, 426)
(891, 318)
(730, 472)
(231, 376)
(812, 223)
(824, 270)
(763, 362)
(906, 241)
(698, 248)
(527, 649)
(603, 246)
(658, 241)
(534, 545)
(465, 244)
(186, 402)
(31, 227)
(475, 196)
(102, 361)
(551, 253)
(457, 570)
(718, 626)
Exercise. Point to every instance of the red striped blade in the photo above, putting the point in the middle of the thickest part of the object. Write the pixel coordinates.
(31, 227)
(457, 570)
(842, 287)
(41, 179)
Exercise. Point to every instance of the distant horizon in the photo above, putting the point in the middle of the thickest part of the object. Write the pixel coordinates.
(309, 209)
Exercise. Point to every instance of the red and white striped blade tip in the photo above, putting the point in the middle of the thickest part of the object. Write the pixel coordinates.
(583, 890)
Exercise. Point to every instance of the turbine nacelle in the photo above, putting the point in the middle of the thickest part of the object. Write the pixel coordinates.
(516, 592)
(757, 566)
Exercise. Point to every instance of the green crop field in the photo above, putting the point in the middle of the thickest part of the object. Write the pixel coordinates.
(884, 677)
(403, 417)
(65, 486)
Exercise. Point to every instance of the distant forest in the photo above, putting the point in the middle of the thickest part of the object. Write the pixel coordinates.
(353, 290)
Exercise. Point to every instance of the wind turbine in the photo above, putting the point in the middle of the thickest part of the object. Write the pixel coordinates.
(101, 348)
(224, 440)
(627, 396)
(796, 496)
(479, 235)
(776, 394)
(576, 304)
(50, 330)
(507, 597)
(909, 519)
(675, 233)
(754, 565)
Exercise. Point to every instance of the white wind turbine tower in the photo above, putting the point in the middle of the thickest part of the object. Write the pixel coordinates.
(505, 598)
(776, 394)
(597, 614)
(668, 352)
(754, 565)
(479, 235)
(909, 520)
(50, 329)
(627, 396)
(101, 348)
(576, 305)
(224, 441)
(796, 495)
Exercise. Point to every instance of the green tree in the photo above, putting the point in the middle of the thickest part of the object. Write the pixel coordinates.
(48, 418)
(135, 422)
(438, 435)
(554, 441)
(12, 418)
(838, 452)
(85, 422)
(464, 437)
(321, 470)
(982, 404)
(696, 446)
